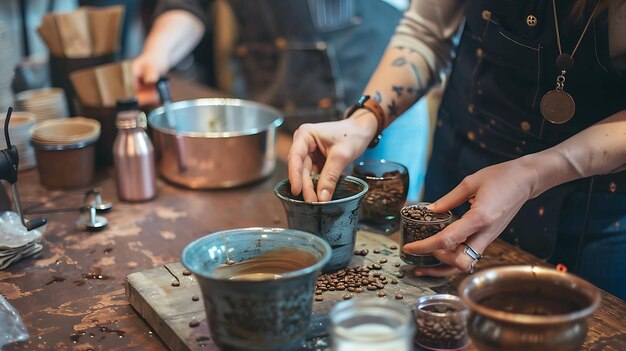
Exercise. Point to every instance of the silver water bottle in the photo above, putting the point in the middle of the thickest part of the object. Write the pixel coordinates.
(133, 154)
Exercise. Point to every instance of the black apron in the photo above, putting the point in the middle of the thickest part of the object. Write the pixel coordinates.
(311, 58)
(504, 64)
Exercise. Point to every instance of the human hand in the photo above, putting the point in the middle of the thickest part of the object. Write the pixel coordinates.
(496, 194)
(327, 148)
(147, 68)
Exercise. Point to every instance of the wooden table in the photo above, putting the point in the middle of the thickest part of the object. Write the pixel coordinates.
(64, 307)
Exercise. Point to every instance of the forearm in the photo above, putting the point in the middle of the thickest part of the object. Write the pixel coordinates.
(175, 34)
(398, 82)
(599, 149)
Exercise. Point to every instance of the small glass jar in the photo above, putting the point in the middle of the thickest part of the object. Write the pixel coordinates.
(441, 322)
(388, 187)
(419, 224)
(371, 324)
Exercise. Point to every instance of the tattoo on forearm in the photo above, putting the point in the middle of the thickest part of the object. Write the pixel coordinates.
(378, 97)
(418, 78)
(619, 169)
(399, 62)
(393, 109)
(398, 90)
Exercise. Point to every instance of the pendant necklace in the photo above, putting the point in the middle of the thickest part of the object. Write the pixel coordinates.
(557, 106)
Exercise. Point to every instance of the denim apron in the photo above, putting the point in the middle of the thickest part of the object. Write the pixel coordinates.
(504, 64)
(311, 58)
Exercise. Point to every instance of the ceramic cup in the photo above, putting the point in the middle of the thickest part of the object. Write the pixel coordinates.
(335, 221)
(256, 314)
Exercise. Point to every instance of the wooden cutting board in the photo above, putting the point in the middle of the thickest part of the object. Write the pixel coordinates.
(169, 309)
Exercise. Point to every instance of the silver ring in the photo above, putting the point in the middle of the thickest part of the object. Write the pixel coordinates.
(472, 253)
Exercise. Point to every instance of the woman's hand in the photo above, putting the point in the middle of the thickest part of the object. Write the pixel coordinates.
(327, 148)
(496, 194)
(147, 68)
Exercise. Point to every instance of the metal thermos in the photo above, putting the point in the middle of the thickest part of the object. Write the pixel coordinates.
(133, 154)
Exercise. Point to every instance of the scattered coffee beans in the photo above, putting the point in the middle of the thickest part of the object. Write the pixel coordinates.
(175, 283)
(347, 296)
(376, 251)
(363, 252)
(383, 260)
(186, 272)
(195, 298)
(397, 264)
(382, 294)
(399, 296)
(319, 298)
(393, 247)
(194, 323)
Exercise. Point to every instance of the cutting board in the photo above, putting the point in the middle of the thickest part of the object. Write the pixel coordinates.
(169, 309)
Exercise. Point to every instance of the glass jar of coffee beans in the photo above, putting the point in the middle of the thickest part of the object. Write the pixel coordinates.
(441, 322)
(419, 223)
(388, 187)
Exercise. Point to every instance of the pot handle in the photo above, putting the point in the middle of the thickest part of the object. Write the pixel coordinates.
(163, 88)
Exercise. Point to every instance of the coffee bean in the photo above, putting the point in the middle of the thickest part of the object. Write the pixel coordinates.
(376, 251)
(186, 272)
(371, 287)
(347, 296)
(351, 289)
(357, 252)
(394, 281)
(358, 290)
(319, 298)
(318, 292)
(175, 283)
(397, 264)
(399, 296)
(376, 266)
(400, 275)
(383, 260)
(195, 298)
(194, 323)
(393, 247)
(364, 252)
(376, 274)
(382, 293)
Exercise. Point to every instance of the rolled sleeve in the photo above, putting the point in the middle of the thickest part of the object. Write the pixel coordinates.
(429, 28)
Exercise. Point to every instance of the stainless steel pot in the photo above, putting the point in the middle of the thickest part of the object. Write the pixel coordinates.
(215, 142)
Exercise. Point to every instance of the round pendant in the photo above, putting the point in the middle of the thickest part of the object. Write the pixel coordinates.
(564, 62)
(557, 107)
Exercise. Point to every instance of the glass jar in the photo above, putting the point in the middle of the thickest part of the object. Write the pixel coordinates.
(388, 187)
(371, 324)
(419, 223)
(441, 322)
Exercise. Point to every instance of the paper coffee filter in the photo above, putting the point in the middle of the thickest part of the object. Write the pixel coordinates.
(66, 131)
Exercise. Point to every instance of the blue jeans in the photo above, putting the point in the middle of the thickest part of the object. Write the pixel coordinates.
(603, 253)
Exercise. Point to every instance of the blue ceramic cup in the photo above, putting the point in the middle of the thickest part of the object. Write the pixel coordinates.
(260, 314)
(335, 221)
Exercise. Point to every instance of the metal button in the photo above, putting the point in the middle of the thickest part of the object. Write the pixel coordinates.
(470, 108)
(280, 42)
(480, 53)
(531, 20)
(525, 126)
(325, 102)
(486, 15)
(241, 50)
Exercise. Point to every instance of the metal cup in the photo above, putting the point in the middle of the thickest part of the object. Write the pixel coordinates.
(335, 221)
(259, 314)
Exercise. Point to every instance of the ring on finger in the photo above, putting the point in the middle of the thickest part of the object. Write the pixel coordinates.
(472, 253)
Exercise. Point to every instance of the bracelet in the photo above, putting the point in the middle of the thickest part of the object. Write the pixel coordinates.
(366, 102)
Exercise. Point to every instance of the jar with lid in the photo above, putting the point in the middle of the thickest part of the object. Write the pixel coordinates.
(133, 154)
